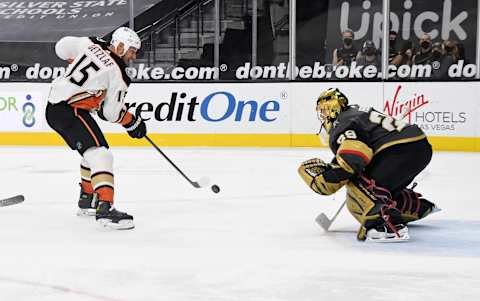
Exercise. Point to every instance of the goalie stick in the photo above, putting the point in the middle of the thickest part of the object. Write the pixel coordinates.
(199, 184)
(12, 200)
(323, 220)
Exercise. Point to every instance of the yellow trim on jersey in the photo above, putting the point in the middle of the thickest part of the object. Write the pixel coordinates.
(351, 147)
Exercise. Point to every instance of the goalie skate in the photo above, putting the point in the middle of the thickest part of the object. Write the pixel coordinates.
(383, 234)
(435, 209)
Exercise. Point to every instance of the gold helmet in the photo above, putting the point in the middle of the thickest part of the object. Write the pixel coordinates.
(329, 104)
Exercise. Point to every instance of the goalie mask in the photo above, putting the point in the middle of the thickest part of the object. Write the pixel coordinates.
(329, 104)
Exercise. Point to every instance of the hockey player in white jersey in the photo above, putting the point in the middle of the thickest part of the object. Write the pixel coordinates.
(95, 83)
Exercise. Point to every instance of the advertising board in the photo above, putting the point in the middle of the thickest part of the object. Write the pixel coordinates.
(254, 114)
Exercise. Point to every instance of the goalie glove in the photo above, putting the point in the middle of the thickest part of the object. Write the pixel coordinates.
(322, 177)
(315, 167)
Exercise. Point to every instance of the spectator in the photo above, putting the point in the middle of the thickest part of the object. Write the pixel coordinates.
(461, 53)
(392, 50)
(451, 49)
(423, 56)
(346, 54)
(449, 57)
(369, 55)
(437, 52)
(404, 55)
(436, 60)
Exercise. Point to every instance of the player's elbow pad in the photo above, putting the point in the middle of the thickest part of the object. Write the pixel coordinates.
(353, 156)
(65, 48)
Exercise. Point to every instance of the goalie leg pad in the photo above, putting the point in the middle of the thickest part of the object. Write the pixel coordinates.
(371, 208)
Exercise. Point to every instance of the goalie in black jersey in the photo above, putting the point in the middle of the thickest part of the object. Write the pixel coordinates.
(376, 157)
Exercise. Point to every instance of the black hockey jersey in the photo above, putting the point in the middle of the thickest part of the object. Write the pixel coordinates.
(359, 133)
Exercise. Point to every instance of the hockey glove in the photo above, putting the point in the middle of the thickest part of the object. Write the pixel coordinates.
(315, 167)
(321, 177)
(136, 128)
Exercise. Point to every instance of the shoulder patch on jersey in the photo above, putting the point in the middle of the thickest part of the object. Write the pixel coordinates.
(100, 42)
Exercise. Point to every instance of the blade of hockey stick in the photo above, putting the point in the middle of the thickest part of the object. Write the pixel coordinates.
(323, 220)
(12, 200)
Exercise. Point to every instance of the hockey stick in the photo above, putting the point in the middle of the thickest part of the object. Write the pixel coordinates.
(201, 183)
(12, 200)
(324, 221)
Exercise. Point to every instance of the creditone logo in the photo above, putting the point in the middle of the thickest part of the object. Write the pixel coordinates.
(215, 107)
(28, 110)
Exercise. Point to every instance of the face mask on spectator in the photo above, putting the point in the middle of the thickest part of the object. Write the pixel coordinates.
(425, 44)
(436, 55)
(370, 51)
(392, 43)
(347, 41)
(449, 49)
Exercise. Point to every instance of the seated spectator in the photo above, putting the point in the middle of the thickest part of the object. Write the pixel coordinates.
(437, 52)
(423, 56)
(449, 57)
(404, 55)
(392, 50)
(347, 53)
(369, 55)
(461, 52)
(451, 49)
(436, 60)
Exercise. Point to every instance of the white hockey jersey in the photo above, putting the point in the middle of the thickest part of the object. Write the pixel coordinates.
(95, 80)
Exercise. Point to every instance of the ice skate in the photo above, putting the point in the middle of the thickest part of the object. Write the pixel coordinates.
(435, 209)
(87, 204)
(383, 233)
(109, 217)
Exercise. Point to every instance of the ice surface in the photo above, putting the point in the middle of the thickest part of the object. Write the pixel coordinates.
(254, 241)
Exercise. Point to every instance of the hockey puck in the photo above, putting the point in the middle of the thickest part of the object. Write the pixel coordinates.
(215, 188)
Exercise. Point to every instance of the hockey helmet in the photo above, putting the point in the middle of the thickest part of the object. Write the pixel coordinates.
(127, 36)
(329, 104)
